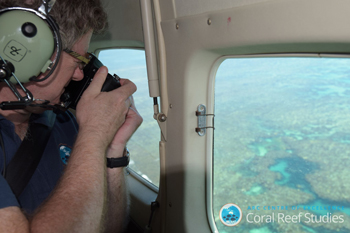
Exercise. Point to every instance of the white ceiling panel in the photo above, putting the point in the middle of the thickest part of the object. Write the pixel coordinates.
(193, 7)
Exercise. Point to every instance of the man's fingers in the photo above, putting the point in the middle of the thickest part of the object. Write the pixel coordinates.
(128, 88)
(98, 80)
(122, 93)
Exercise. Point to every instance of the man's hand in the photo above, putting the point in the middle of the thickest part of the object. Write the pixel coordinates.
(101, 114)
(132, 121)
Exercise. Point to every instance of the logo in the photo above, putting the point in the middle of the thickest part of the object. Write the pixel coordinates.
(15, 50)
(230, 214)
(65, 153)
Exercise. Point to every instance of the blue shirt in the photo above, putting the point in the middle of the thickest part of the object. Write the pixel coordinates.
(51, 165)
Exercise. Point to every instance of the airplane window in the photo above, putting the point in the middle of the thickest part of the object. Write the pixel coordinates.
(143, 146)
(282, 145)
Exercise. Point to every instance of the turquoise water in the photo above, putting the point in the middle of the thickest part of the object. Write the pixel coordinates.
(282, 134)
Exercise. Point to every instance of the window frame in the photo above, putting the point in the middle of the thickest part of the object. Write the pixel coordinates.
(211, 109)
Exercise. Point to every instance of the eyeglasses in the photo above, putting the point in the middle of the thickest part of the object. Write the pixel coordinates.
(83, 60)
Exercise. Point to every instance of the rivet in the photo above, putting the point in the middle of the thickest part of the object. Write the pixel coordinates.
(177, 26)
(162, 117)
(170, 106)
(209, 21)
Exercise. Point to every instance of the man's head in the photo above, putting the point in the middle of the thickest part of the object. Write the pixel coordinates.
(74, 17)
(77, 20)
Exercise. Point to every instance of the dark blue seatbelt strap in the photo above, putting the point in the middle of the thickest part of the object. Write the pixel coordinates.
(22, 166)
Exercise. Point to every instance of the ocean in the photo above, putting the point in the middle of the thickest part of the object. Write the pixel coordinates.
(281, 145)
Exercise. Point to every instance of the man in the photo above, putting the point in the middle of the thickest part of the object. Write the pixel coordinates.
(88, 196)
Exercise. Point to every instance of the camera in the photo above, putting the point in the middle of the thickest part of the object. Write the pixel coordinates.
(74, 90)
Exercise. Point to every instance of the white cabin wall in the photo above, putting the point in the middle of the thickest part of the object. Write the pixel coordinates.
(192, 47)
(194, 7)
(124, 26)
(194, 36)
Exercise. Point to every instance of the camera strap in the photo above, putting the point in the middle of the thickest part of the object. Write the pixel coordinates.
(22, 166)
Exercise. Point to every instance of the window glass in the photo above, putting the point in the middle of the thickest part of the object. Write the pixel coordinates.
(282, 145)
(143, 146)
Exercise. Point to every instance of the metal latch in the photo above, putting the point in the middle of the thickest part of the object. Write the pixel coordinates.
(201, 114)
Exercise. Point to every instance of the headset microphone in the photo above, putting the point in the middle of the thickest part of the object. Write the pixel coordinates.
(30, 45)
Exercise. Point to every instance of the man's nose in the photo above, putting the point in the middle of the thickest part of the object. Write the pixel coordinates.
(78, 74)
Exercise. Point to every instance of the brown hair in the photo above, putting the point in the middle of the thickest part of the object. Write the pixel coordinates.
(74, 17)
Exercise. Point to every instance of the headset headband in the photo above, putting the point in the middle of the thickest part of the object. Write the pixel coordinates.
(46, 7)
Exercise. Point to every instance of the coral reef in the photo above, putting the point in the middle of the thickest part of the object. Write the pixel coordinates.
(282, 139)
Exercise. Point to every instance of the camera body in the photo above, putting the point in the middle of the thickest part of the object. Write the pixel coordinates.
(73, 92)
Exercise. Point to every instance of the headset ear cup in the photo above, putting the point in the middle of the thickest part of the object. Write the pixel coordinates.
(46, 66)
(51, 65)
(28, 41)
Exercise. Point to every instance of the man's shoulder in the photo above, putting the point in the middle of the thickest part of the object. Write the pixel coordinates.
(7, 198)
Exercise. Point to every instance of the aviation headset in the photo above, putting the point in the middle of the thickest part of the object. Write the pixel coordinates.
(29, 39)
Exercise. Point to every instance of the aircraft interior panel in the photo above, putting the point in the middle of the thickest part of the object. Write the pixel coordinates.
(192, 39)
